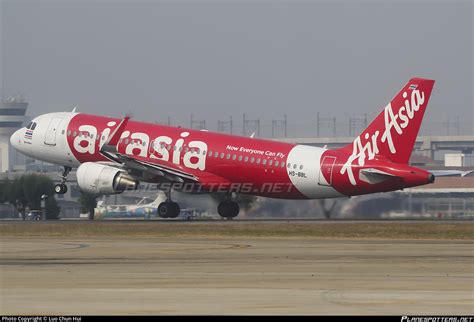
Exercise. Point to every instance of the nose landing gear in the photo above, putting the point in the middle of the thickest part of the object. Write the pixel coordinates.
(61, 188)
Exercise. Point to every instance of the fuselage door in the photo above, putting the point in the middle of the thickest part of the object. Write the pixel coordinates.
(325, 175)
(53, 128)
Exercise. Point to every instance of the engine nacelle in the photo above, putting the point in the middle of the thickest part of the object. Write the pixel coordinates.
(102, 179)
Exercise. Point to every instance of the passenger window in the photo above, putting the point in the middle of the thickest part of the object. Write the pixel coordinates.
(69, 133)
(289, 165)
(234, 157)
(301, 167)
(246, 158)
(216, 154)
(252, 159)
(228, 156)
(74, 134)
(222, 155)
(240, 158)
(258, 161)
(210, 153)
(283, 164)
(294, 166)
(264, 162)
(270, 162)
(204, 152)
(276, 163)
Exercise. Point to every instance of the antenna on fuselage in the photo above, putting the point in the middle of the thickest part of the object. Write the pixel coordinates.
(74, 109)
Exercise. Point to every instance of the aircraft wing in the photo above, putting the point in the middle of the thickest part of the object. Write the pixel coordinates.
(109, 150)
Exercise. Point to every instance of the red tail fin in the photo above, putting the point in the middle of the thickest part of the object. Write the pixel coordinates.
(393, 132)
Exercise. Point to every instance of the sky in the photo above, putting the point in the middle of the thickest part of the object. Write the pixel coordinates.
(216, 59)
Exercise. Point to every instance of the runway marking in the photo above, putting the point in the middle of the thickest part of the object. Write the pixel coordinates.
(69, 246)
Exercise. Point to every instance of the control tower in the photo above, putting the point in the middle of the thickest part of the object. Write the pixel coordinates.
(12, 117)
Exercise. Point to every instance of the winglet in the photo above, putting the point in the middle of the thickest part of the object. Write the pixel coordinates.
(115, 136)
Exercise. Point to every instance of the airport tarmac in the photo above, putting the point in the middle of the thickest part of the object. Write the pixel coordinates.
(202, 275)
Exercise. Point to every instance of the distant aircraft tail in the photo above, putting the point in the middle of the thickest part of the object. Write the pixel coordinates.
(393, 132)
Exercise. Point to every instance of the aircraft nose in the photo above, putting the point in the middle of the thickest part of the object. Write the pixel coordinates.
(15, 139)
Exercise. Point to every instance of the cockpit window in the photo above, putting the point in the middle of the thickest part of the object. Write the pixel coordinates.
(33, 126)
(29, 125)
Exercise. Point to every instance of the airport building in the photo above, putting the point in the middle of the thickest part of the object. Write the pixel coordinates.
(12, 117)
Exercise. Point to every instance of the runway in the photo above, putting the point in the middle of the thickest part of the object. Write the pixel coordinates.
(201, 275)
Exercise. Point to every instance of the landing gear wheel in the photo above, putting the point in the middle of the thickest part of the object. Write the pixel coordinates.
(228, 209)
(168, 209)
(60, 188)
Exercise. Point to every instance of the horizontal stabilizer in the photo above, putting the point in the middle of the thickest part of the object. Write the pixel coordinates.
(451, 173)
(374, 176)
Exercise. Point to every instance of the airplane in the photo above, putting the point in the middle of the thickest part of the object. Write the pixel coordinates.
(146, 208)
(113, 155)
(143, 209)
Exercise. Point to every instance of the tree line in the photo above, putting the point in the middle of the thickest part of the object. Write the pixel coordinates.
(25, 193)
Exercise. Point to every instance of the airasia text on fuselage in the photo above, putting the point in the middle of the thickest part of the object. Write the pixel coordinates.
(139, 144)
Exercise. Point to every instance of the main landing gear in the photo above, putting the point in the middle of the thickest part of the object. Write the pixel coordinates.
(61, 188)
(168, 208)
(228, 209)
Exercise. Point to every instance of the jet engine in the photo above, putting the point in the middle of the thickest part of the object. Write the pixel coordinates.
(102, 179)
